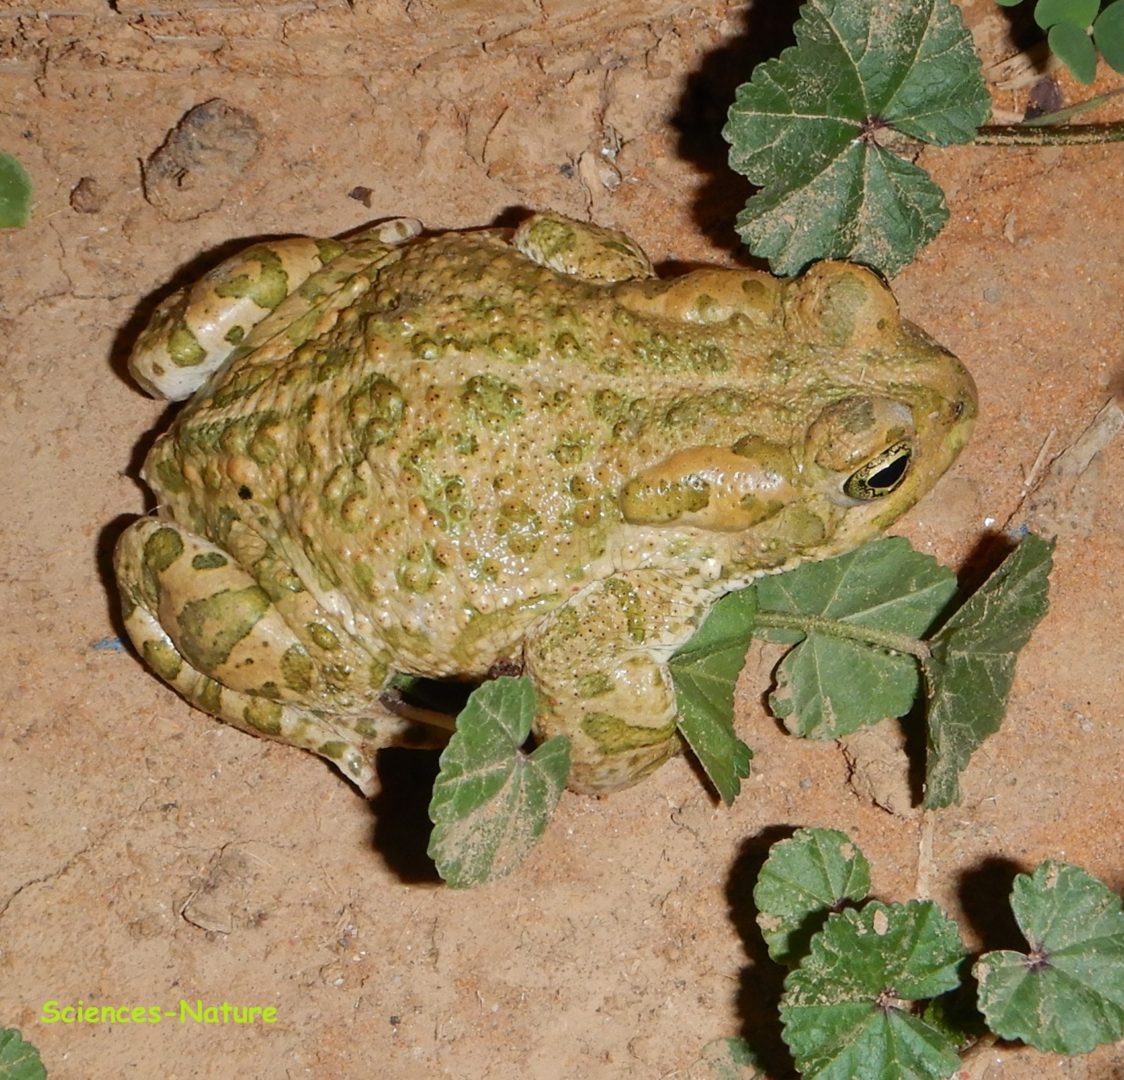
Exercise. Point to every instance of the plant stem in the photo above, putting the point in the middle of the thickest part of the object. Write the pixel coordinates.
(868, 635)
(1070, 111)
(394, 702)
(1057, 135)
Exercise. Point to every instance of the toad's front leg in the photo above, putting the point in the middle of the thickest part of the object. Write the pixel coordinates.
(599, 664)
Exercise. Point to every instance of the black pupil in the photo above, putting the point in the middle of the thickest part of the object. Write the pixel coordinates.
(889, 474)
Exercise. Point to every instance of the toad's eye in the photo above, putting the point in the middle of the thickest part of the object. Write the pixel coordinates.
(881, 474)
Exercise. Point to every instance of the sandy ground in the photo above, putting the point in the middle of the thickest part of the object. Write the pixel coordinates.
(149, 854)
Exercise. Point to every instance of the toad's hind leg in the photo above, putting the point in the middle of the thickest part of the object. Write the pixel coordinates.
(208, 629)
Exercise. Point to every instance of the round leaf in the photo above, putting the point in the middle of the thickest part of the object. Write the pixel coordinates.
(1074, 48)
(19, 1060)
(1079, 13)
(491, 801)
(865, 205)
(845, 1010)
(830, 686)
(1066, 995)
(803, 880)
(806, 129)
(1108, 33)
(884, 584)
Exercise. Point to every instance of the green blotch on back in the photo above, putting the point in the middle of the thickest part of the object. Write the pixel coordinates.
(296, 668)
(560, 630)
(263, 716)
(839, 307)
(210, 628)
(301, 329)
(322, 636)
(491, 402)
(170, 476)
(444, 494)
(276, 576)
(210, 560)
(267, 288)
(162, 549)
(162, 658)
(519, 526)
(691, 412)
(631, 606)
(570, 448)
(418, 570)
(365, 578)
(551, 238)
(374, 407)
(507, 347)
(402, 640)
(616, 736)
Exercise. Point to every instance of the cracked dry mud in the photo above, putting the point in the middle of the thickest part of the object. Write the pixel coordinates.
(150, 854)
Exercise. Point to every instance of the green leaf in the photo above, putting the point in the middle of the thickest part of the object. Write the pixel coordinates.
(845, 1010)
(704, 672)
(19, 1060)
(1008, 3)
(803, 880)
(1067, 995)
(491, 801)
(1108, 33)
(15, 193)
(972, 665)
(1079, 13)
(830, 685)
(829, 688)
(866, 205)
(727, 1059)
(806, 129)
(1074, 48)
(955, 1015)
